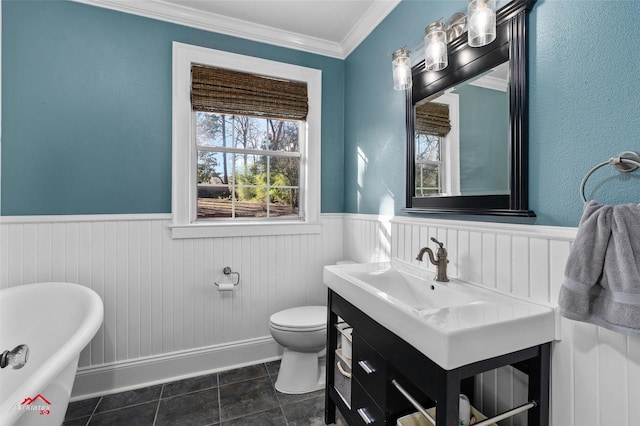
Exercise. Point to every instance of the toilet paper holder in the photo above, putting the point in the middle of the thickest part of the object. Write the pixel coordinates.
(227, 271)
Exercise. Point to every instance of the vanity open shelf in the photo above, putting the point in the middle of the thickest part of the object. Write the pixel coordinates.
(393, 375)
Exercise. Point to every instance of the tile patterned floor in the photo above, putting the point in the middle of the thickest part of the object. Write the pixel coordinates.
(241, 397)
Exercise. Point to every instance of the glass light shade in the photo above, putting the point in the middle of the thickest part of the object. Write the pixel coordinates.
(435, 47)
(401, 69)
(482, 22)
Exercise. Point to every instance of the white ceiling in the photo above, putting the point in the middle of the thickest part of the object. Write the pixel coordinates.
(327, 27)
(328, 19)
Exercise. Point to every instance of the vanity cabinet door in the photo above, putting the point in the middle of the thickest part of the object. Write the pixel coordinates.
(370, 370)
(364, 411)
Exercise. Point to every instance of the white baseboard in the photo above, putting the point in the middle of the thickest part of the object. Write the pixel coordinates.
(126, 375)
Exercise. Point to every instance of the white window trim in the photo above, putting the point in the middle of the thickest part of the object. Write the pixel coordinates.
(184, 192)
(451, 144)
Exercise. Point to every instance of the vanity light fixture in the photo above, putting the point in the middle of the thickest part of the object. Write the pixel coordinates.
(481, 19)
(435, 47)
(401, 69)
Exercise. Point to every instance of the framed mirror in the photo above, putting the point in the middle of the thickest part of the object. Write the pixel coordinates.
(467, 138)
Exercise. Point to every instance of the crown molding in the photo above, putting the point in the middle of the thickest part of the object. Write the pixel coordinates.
(366, 24)
(182, 15)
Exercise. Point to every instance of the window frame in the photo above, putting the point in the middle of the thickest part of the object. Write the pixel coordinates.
(184, 222)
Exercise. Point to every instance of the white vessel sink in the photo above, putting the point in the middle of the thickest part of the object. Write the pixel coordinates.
(454, 323)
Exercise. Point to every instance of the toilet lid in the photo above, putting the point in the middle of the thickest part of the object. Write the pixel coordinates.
(303, 317)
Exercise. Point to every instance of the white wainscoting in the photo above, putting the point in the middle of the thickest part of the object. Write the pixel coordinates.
(595, 372)
(367, 238)
(161, 304)
(162, 312)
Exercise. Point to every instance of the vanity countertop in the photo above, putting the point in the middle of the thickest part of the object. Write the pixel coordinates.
(454, 324)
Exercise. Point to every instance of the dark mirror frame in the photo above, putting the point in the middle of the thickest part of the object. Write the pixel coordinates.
(466, 62)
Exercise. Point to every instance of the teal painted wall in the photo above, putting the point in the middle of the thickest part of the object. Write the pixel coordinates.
(374, 152)
(86, 109)
(484, 140)
(584, 106)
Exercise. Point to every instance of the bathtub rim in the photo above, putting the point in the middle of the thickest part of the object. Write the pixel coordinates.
(62, 356)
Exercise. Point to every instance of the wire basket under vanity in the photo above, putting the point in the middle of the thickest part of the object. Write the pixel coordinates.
(342, 377)
(417, 419)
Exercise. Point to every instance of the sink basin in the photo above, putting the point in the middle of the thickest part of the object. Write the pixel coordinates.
(454, 323)
(410, 292)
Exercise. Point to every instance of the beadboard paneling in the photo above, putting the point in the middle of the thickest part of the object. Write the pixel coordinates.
(159, 296)
(595, 372)
(366, 238)
(158, 292)
(526, 263)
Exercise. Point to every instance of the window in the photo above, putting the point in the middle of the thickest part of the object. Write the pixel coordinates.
(248, 167)
(238, 170)
(436, 149)
(429, 165)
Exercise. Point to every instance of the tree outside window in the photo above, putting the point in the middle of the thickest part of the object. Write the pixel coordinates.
(248, 167)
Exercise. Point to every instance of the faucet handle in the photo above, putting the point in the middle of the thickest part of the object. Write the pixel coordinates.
(437, 242)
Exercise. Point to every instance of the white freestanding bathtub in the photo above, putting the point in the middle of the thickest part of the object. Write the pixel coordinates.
(56, 321)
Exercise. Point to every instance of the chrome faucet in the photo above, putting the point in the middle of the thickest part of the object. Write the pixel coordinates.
(440, 260)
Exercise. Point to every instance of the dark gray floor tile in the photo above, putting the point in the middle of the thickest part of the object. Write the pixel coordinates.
(309, 412)
(273, 417)
(340, 421)
(138, 415)
(82, 421)
(248, 397)
(194, 409)
(81, 408)
(125, 399)
(286, 398)
(242, 374)
(273, 379)
(273, 367)
(193, 384)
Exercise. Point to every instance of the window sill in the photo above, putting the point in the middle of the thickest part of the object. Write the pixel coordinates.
(246, 229)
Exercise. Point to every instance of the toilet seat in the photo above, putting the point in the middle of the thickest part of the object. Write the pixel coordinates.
(297, 329)
(303, 318)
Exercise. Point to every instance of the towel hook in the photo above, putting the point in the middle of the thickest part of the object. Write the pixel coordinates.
(625, 162)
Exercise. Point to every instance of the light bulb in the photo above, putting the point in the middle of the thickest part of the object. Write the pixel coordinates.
(435, 56)
(481, 20)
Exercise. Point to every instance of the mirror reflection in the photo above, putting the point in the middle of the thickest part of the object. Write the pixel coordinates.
(462, 144)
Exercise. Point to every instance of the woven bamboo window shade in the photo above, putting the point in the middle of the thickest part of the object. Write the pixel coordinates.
(232, 92)
(432, 119)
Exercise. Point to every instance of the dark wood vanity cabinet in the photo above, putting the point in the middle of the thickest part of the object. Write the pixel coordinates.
(369, 372)
(380, 358)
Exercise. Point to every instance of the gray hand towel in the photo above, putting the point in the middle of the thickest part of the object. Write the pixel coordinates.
(602, 275)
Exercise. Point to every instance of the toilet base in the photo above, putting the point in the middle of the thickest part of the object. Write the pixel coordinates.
(300, 372)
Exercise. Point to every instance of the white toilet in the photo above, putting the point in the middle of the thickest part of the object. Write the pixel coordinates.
(303, 333)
